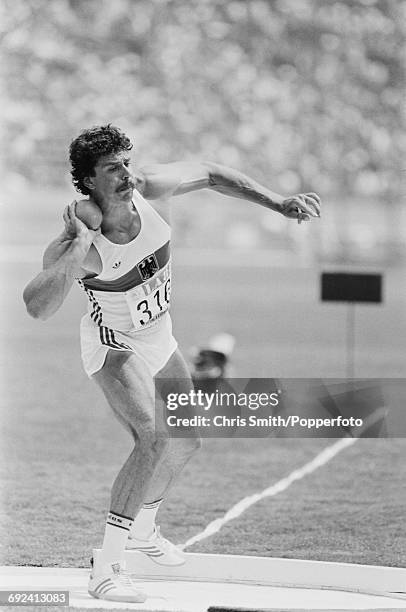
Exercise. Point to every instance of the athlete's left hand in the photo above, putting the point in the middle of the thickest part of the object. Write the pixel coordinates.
(302, 206)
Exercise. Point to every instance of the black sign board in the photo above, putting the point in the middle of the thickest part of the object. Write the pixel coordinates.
(349, 287)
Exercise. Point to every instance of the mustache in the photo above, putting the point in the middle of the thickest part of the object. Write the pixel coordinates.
(127, 185)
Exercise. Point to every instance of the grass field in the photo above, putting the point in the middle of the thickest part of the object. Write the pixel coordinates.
(61, 448)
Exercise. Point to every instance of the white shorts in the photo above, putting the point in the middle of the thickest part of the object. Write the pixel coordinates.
(154, 345)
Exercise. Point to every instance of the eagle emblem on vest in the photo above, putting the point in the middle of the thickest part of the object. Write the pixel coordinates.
(148, 267)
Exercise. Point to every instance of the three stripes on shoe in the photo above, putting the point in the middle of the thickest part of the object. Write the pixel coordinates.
(151, 551)
(105, 586)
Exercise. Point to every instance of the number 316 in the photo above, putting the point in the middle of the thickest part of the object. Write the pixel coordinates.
(144, 306)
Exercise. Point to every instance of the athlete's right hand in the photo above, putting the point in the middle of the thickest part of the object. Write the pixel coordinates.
(77, 232)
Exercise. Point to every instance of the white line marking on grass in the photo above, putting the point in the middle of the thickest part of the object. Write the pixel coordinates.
(321, 459)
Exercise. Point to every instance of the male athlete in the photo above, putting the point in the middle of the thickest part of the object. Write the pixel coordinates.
(120, 256)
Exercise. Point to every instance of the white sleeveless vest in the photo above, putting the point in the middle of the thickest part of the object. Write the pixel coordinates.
(133, 289)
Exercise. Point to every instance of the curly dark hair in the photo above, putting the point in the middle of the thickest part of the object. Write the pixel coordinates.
(89, 146)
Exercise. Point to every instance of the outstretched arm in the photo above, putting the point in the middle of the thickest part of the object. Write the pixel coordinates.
(165, 180)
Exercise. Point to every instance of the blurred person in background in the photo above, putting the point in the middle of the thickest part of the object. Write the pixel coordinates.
(117, 247)
(212, 360)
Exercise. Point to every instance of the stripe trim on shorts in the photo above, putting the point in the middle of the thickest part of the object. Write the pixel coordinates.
(108, 338)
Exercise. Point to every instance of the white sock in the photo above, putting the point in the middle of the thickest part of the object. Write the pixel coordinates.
(144, 523)
(115, 538)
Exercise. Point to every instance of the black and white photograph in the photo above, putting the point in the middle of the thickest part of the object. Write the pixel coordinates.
(203, 209)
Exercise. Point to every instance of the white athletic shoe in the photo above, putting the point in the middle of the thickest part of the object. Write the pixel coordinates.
(114, 584)
(158, 549)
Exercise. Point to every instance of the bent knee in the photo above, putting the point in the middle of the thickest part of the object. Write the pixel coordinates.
(154, 443)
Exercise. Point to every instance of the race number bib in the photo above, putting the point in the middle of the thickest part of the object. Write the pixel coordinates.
(149, 301)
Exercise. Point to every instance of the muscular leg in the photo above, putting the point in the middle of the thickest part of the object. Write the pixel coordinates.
(154, 461)
(179, 450)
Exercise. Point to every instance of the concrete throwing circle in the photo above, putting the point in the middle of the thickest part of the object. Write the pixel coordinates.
(230, 582)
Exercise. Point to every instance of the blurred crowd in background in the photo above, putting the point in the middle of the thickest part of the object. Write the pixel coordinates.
(299, 94)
